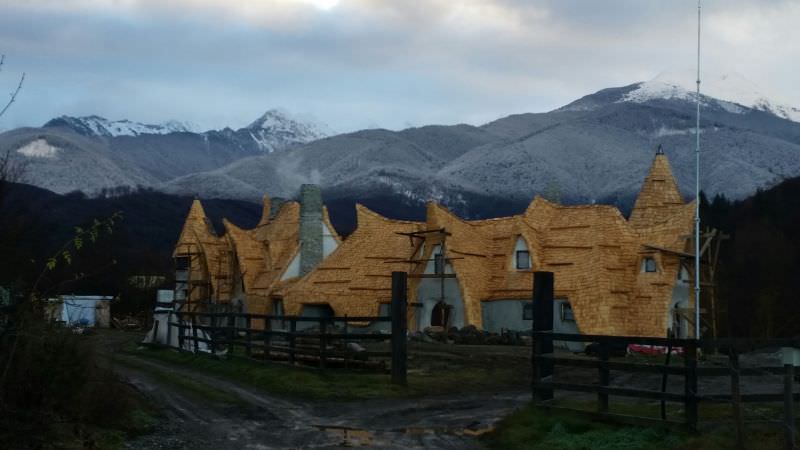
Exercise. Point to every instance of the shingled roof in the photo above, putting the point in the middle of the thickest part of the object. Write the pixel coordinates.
(594, 252)
(258, 256)
(356, 277)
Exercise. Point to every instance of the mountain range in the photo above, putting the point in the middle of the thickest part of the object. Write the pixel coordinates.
(92, 154)
(594, 149)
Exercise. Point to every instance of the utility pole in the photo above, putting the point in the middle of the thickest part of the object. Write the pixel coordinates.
(697, 194)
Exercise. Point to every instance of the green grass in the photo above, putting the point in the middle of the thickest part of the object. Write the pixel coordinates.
(534, 428)
(192, 387)
(333, 384)
(280, 379)
(112, 437)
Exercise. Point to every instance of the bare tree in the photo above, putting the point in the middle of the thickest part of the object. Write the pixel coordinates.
(11, 170)
(15, 92)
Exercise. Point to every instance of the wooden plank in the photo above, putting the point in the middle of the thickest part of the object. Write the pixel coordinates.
(571, 247)
(399, 309)
(419, 233)
(615, 365)
(292, 343)
(605, 378)
(736, 397)
(611, 390)
(479, 255)
(690, 386)
(621, 418)
(789, 425)
(432, 275)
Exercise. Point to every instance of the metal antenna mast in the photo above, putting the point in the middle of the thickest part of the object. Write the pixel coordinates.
(697, 194)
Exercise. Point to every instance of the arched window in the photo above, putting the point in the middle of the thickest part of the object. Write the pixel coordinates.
(522, 255)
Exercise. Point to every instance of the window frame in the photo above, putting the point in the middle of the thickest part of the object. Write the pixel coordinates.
(646, 261)
(438, 264)
(562, 312)
(528, 261)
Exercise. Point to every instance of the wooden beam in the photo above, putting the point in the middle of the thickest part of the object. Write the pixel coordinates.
(420, 233)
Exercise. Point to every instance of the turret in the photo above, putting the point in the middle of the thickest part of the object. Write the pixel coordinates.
(658, 196)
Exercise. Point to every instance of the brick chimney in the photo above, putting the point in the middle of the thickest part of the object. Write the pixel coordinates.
(310, 227)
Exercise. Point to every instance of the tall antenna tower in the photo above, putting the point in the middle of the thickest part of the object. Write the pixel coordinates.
(697, 193)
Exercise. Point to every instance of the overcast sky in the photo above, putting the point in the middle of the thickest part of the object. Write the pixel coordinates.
(356, 64)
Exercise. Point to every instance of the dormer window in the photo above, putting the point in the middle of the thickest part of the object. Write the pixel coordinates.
(649, 265)
(522, 256)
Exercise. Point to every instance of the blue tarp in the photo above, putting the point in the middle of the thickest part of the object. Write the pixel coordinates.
(81, 310)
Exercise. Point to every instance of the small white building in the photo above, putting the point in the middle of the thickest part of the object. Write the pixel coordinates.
(81, 310)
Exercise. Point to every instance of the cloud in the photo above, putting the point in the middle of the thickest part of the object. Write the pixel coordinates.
(355, 63)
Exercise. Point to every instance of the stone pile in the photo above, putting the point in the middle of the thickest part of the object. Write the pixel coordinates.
(470, 335)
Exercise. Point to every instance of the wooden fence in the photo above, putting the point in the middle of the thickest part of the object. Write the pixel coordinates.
(545, 384)
(324, 342)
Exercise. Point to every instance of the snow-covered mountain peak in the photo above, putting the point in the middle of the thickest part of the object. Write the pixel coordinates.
(728, 89)
(278, 129)
(99, 126)
(279, 120)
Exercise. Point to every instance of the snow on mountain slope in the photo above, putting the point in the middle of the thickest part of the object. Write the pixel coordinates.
(276, 129)
(92, 153)
(99, 126)
(39, 148)
(728, 91)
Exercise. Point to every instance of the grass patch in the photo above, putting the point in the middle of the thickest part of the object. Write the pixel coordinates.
(189, 386)
(284, 380)
(534, 428)
(337, 384)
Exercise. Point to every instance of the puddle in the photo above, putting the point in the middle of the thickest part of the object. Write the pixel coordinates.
(350, 437)
(357, 437)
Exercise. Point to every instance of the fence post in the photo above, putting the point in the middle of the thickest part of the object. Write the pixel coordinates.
(169, 328)
(690, 385)
(399, 312)
(231, 332)
(788, 406)
(542, 345)
(605, 378)
(267, 339)
(292, 332)
(181, 332)
(194, 333)
(323, 341)
(249, 342)
(736, 395)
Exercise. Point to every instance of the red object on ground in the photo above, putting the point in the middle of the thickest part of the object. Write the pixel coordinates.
(653, 349)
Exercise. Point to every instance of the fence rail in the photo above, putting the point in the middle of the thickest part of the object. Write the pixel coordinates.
(544, 359)
(318, 341)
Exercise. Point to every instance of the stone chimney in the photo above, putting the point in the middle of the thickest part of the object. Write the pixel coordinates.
(310, 227)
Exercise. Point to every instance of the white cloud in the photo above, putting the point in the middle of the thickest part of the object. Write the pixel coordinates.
(354, 63)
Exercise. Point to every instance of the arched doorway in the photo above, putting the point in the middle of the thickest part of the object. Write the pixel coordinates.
(440, 316)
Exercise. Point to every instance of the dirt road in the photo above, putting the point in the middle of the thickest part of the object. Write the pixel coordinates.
(256, 420)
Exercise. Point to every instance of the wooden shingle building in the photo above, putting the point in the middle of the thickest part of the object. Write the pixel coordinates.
(612, 275)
